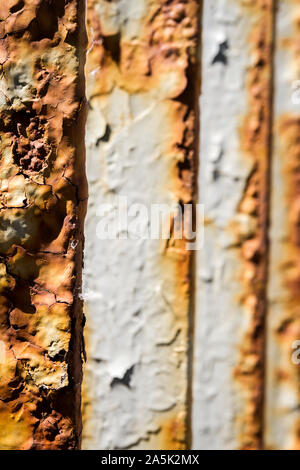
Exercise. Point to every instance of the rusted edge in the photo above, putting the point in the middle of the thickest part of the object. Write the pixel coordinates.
(256, 142)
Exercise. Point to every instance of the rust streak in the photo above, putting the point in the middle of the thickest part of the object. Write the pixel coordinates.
(288, 329)
(255, 144)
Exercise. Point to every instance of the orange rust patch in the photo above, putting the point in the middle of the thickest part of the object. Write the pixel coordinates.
(165, 44)
(255, 135)
(288, 330)
(41, 216)
(172, 434)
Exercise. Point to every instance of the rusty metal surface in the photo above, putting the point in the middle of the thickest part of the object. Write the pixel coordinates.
(41, 215)
(140, 144)
(245, 385)
(255, 143)
(233, 185)
(283, 379)
(183, 349)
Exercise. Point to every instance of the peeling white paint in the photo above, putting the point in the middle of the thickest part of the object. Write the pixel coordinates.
(131, 325)
(220, 320)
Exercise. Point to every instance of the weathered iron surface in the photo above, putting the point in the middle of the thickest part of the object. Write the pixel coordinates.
(142, 80)
(141, 135)
(233, 185)
(283, 378)
(41, 215)
(144, 296)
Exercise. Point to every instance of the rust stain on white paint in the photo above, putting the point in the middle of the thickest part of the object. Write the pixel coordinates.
(140, 144)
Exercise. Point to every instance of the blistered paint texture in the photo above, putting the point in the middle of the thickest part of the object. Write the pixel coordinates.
(283, 379)
(140, 145)
(42, 197)
(233, 186)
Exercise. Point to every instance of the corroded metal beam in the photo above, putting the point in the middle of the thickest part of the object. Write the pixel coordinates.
(283, 378)
(141, 298)
(141, 137)
(41, 216)
(234, 187)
